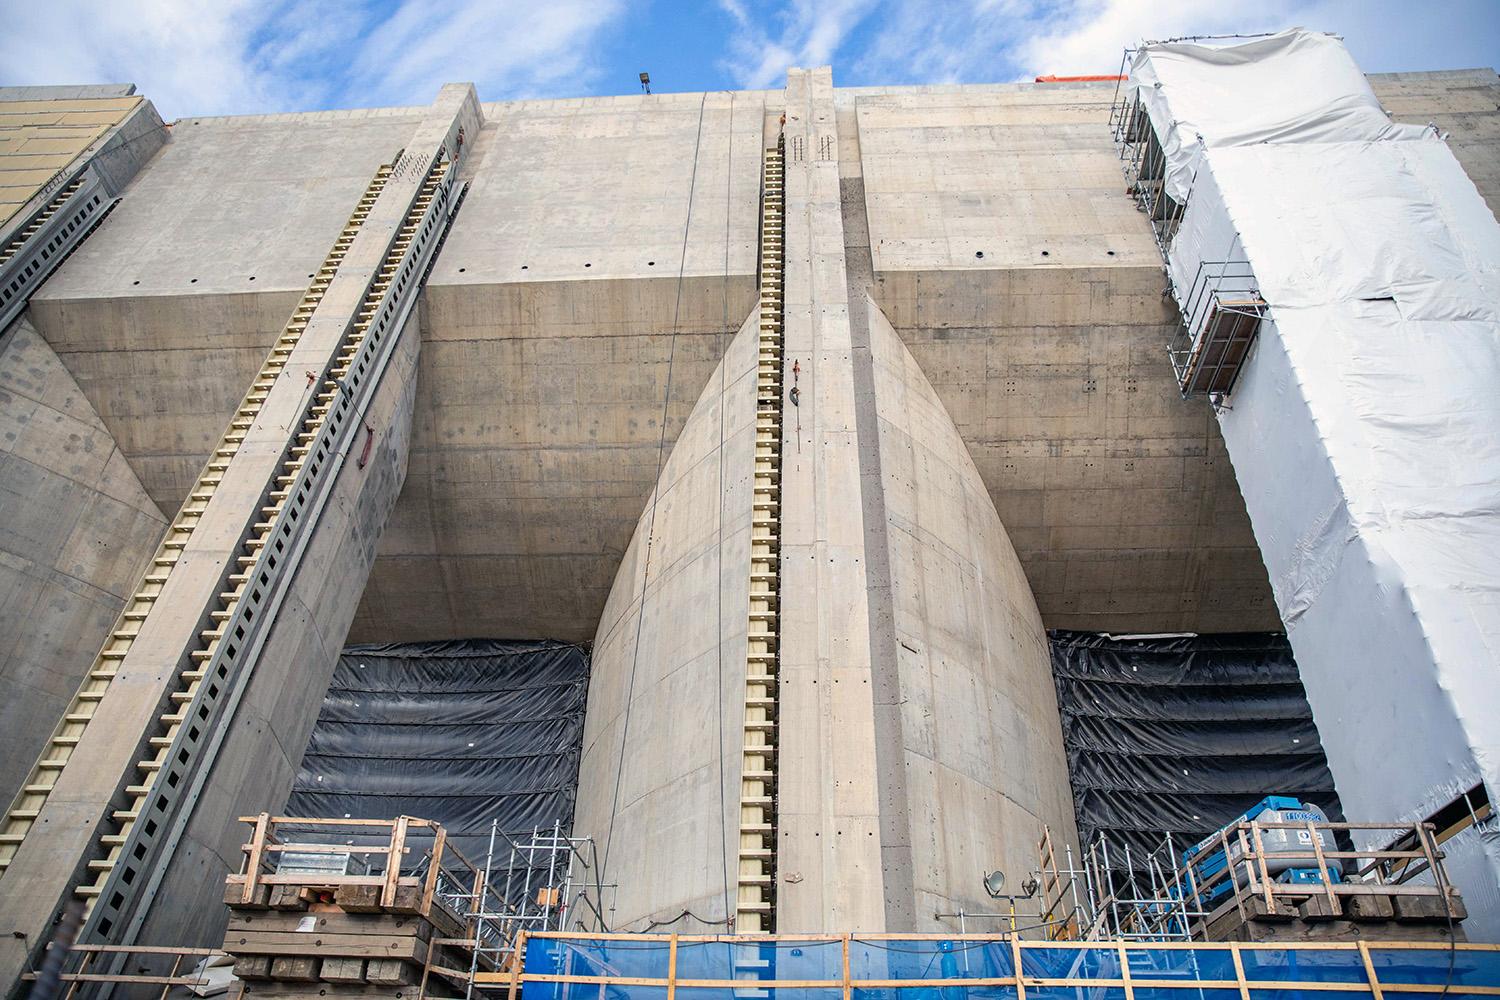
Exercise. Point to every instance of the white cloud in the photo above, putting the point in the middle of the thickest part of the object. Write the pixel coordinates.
(247, 56)
(806, 33)
(509, 48)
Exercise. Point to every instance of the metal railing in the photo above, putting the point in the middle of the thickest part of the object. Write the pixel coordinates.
(381, 847)
(1173, 892)
(1222, 308)
(1221, 312)
(87, 974)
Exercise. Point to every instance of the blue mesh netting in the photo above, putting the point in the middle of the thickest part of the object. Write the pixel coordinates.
(1188, 964)
(918, 959)
(1071, 963)
(1294, 965)
(948, 964)
(1430, 967)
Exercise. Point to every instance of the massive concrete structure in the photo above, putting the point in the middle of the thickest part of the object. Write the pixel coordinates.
(567, 432)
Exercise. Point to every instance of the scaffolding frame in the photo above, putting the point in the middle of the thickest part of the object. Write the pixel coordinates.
(1222, 309)
(546, 883)
(1114, 893)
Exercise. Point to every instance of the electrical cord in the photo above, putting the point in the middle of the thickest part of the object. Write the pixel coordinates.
(719, 562)
(685, 913)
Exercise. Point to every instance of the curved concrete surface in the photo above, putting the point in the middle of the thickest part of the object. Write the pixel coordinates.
(659, 778)
(965, 760)
(982, 752)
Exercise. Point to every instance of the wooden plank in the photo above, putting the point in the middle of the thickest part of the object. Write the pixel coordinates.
(329, 946)
(1239, 972)
(254, 856)
(1260, 862)
(305, 879)
(1015, 952)
(1364, 956)
(440, 841)
(324, 991)
(253, 967)
(847, 988)
(332, 922)
(342, 970)
(517, 963)
(142, 949)
(358, 898)
(234, 896)
(295, 968)
(287, 897)
(324, 821)
(1368, 906)
(391, 972)
(672, 968)
(393, 862)
(1317, 843)
(103, 977)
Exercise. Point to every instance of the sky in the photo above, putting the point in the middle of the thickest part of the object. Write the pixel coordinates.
(209, 57)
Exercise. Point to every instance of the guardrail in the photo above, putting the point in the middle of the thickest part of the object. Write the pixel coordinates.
(1253, 868)
(382, 848)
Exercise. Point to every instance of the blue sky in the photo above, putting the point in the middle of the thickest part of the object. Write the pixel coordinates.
(245, 56)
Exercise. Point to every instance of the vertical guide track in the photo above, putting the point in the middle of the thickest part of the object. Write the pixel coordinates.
(756, 901)
(187, 734)
(18, 821)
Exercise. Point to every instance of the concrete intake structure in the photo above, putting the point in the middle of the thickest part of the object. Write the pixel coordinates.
(915, 724)
(566, 438)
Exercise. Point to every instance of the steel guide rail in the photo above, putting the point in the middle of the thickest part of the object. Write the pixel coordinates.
(756, 893)
(189, 736)
(54, 232)
(27, 805)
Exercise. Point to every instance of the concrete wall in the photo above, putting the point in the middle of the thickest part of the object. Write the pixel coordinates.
(75, 533)
(919, 743)
(659, 778)
(166, 312)
(1028, 288)
(981, 745)
(603, 258)
(542, 395)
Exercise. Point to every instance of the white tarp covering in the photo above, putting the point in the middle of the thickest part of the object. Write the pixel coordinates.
(1298, 86)
(1365, 426)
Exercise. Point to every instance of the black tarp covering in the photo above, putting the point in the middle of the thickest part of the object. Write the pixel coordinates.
(1181, 735)
(460, 732)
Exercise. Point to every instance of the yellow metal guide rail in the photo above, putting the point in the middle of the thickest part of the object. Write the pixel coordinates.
(756, 897)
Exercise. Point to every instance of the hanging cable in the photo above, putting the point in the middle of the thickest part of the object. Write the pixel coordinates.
(661, 446)
(719, 562)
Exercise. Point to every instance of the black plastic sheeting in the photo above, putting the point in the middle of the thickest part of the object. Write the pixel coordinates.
(461, 732)
(1182, 735)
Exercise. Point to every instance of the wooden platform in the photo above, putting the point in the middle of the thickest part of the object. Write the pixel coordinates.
(295, 942)
(1372, 915)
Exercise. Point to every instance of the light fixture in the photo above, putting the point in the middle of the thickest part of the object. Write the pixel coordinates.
(994, 883)
(645, 81)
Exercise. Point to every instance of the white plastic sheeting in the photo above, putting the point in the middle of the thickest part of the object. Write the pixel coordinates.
(1297, 86)
(1365, 426)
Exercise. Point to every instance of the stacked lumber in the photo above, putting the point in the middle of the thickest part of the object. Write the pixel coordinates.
(1353, 912)
(291, 941)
